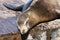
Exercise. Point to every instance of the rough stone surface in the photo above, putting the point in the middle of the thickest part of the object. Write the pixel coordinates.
(55, 34)
(8, 25)
(7, 20)
(37, 33)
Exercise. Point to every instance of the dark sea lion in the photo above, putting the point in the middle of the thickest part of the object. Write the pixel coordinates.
(41, 11)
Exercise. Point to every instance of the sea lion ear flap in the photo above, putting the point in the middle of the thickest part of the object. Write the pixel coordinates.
(13, 7)
(26, 5)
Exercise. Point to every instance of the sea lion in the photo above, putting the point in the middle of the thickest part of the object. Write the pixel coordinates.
(41, 11)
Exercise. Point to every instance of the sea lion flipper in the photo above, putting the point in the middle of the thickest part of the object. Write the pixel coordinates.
(13, 7)
(26, 5)
(18, 8)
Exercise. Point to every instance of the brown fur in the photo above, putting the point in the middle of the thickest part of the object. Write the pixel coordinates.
(39, 12)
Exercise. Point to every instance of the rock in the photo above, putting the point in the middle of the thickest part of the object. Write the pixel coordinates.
(37, 33)
(55, 35)
(8, 25)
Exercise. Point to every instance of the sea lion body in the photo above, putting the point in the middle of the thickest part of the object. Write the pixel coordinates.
(39, 12)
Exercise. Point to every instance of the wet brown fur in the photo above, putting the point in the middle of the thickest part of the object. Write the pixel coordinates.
(39, 12)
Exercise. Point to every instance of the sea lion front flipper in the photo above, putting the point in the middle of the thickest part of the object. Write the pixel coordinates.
(13, 7)
(21, 8)
(26, 5)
